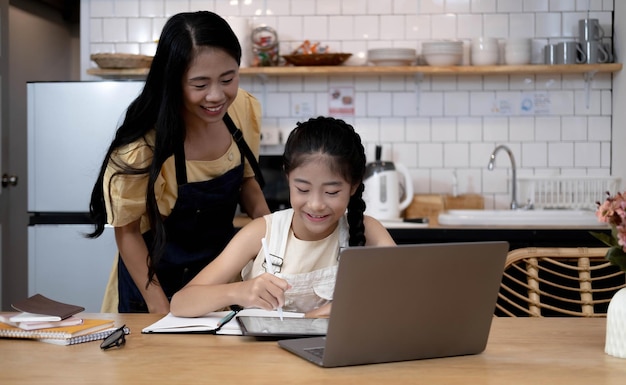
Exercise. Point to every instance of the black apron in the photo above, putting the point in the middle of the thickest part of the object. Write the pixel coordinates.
(197, 230)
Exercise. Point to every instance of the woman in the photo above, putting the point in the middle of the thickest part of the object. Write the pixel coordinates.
(178, 165)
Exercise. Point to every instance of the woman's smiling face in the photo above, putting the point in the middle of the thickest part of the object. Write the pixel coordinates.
(210, 86)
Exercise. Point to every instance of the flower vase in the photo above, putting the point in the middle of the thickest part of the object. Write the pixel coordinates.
(615, 344)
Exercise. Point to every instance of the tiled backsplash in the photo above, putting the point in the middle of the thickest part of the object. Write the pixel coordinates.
(437, 126)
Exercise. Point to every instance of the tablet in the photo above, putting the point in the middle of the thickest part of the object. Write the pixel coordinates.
(287, 328)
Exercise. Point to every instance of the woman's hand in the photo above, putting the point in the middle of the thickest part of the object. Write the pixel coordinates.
(162, 307)
(133, 251)
(266, 291)
(320, 312)
(252, 199)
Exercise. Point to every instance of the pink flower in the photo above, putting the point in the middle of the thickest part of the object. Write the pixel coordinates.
(604, 211)
(613, 212)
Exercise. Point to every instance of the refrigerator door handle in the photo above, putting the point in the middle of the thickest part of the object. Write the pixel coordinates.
(9, 180)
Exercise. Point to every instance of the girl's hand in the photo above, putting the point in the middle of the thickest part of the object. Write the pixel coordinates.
(320, 312)
(266, 291)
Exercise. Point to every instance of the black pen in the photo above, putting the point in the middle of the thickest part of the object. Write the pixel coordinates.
(228, 317)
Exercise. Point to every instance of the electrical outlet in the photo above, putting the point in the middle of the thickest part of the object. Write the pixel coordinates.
(302, 105)
(302, 109)
(270, 136)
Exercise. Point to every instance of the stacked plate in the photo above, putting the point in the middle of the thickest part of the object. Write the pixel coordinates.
(392, 56)
(443, 52)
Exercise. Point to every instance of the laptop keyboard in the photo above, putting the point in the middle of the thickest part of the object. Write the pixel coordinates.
(318, 352)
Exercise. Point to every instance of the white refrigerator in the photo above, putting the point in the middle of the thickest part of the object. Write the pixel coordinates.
(70, 126)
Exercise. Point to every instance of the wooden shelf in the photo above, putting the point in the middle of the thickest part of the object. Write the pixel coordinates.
(404, 70)
(138, 73)
(428, 70)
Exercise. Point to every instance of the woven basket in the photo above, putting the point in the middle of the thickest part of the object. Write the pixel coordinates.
(121, 60)
(317, 59)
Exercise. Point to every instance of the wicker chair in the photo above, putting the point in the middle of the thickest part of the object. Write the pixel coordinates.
(539, 282)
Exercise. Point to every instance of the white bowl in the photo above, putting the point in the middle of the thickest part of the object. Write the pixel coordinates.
(392, 62)
(484, 45)
(458, 49)
(518, 41)
(442, 45)
(517, 54)
(443, 59)
(391, 53)
(517, 58)
(484, 49)
(392, 56)
(490, 41)
(516, 48)
(485, 58)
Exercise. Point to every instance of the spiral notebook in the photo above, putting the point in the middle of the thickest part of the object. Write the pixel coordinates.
(97, 336)
(59, 333)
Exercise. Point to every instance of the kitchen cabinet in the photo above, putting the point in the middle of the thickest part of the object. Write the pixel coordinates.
(585, 69)
(517, 237)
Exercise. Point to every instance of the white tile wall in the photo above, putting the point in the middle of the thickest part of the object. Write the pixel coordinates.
(434, 125)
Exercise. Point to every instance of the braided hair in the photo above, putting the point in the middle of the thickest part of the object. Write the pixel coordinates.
(337, 139)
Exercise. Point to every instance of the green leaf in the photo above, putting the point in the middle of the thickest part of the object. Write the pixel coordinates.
(617, 256)
(605, 238)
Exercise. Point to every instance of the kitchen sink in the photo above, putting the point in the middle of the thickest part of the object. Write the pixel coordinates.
(585, 218)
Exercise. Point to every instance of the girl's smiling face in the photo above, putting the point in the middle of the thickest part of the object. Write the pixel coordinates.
(319, 196)
(210, 86)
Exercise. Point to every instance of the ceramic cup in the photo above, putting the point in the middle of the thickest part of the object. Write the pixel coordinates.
(517, 51)
(609, 51)
(570, 52)
(467, 49)
(595, 52)
(590, 29)
(549, 54)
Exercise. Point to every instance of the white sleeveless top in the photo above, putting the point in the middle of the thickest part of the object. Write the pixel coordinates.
(310, 267)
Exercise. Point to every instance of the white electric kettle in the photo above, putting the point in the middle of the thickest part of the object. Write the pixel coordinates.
(384, 192)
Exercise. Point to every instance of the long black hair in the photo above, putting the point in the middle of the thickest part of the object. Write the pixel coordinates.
(337, 139)
(158, 107)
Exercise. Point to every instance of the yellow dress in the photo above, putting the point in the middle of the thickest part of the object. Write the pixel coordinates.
(126, 199)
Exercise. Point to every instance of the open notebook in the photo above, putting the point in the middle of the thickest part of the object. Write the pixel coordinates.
(209, 323)
(408, 302)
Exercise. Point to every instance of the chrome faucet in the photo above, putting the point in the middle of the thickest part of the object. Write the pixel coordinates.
(492, 160)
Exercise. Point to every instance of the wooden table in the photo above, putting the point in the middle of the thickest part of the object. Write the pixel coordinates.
(520, 351)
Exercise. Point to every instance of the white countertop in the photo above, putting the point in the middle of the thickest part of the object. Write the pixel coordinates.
(399, 224)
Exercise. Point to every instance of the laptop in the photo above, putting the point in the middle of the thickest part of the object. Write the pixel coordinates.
(408, 302)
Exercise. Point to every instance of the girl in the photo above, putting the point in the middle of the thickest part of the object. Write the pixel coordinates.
(324, 161)
(179, 165)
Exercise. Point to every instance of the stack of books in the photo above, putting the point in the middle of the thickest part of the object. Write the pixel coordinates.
(54, 322)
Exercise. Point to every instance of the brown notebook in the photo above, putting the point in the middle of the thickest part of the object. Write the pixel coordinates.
(38, 304)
